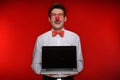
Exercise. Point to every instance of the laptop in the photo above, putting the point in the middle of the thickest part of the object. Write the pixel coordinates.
(59, 60)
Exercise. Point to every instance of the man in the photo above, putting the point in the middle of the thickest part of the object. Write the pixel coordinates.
(57, 36)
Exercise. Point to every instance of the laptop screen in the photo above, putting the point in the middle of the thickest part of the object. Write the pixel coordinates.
(59, 57)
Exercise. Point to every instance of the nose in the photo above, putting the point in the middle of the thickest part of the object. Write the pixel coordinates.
(57, 18)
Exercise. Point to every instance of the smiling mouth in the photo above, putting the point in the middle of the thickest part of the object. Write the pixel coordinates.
(57, 22)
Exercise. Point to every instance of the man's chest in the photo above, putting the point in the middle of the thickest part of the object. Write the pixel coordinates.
(59, 41)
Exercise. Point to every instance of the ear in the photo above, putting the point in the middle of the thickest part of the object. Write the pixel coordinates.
(65, 19)
(49, 19)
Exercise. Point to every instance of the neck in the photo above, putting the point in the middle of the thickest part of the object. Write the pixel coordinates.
(58, 29)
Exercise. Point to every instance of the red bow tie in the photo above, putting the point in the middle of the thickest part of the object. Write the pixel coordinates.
(54, 33)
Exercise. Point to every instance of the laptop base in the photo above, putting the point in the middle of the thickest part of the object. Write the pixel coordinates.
(59, 72)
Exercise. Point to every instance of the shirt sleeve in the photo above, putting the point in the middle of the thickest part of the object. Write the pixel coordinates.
(79, 56)
(36, 61)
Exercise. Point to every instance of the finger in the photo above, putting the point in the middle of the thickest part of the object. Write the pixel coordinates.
(52, 74)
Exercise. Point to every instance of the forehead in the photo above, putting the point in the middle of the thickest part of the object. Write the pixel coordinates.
(57, 10)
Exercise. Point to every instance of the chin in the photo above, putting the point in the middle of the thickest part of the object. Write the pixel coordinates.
(57, 27)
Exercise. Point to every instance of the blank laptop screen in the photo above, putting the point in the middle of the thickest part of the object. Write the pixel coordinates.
(58, 57)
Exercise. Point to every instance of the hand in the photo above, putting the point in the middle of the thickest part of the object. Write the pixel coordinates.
(51, 75)
(68, 74)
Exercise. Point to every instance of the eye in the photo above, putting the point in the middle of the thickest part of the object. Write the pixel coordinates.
(61, 14)
(53, 14)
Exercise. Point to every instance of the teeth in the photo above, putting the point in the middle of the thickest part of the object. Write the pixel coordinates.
(57, 22)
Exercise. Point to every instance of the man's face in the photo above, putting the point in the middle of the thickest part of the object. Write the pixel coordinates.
(57, 19)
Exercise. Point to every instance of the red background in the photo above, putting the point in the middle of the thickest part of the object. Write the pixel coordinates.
(97, 22)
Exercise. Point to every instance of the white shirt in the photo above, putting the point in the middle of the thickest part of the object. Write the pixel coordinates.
(46, 39)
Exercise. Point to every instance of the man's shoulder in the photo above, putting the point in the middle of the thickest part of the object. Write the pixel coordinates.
(72, 33)
(46, 34)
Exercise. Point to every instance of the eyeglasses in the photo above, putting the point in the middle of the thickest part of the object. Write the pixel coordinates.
(59, 14)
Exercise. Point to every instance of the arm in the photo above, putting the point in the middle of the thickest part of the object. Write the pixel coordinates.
(79, 56)
(36, 63)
